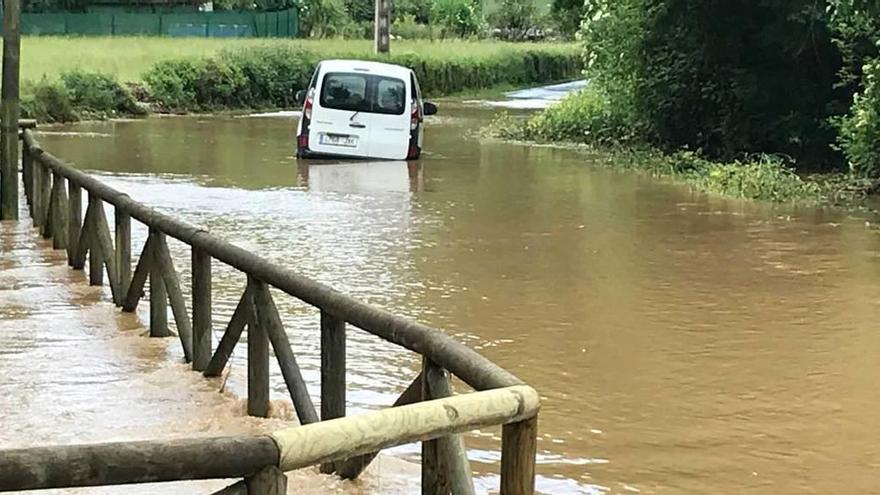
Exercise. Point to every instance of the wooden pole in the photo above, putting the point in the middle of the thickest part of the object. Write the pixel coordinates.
(162, 258)
(10, 109)
(123, 255)
(353, 467)
(258, 365)
(434, 479)
(96, 261)
(240, 318)
(269, 320)
(48, 204)
(519, 443)
(74, 220)
(451, 448)
(269, 481)
(139, 279)
(45, 194)
(158, 297)
(37, 193)
(332, 371)
(201, 304)
(59, 213)
(382, 24)
(27, 176)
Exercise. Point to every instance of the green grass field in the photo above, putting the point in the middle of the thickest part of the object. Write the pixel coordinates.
(129, 58)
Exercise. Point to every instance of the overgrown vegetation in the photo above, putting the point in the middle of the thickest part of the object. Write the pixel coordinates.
(204, 76)
(734, 83)
(77, 95)
(269, 76)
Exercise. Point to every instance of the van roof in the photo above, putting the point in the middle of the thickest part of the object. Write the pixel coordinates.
(370, 67)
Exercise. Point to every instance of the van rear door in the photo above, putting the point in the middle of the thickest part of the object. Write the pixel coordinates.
(389, 132)
(341, 120)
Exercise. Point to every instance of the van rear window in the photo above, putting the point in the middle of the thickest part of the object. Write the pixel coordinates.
(363, 93)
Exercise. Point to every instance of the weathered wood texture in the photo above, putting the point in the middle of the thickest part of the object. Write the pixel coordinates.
(449, 449)
(332, 372)
(96, 268)
(269, 481)
(135, 462)
(10, 108)
(141, 271)
(336, 439)
(435, 480)
(59, 213)
(122, 256)
(519, 444)
(171, 282)
(74, 219)
(240, 317)
(269, 320)
(158, 297)
(37, 192)
(258, 360)
(201, 307)
(353, 467)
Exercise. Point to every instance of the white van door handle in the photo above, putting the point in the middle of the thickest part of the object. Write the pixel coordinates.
(357, 125)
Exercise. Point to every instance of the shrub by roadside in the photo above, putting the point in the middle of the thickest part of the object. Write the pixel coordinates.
(586, 118)
(77, 95)
(269, 76)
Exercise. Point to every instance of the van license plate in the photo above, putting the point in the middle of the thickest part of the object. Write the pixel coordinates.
(339, 140)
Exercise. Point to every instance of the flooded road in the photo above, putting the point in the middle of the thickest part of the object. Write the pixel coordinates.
(681, 344)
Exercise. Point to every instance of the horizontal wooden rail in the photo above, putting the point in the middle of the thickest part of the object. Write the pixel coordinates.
(119, 463)
(231, 457)
(463, 362)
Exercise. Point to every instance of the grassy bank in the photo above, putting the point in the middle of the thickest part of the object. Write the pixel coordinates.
(216, 74)
(585, 119)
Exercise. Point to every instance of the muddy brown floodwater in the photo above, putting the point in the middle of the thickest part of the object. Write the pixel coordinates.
(681, 343)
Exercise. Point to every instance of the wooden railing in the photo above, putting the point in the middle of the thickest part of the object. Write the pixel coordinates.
(342, 446)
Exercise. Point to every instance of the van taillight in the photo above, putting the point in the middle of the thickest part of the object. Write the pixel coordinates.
(307, 106)
(415, 116)
(303, 142)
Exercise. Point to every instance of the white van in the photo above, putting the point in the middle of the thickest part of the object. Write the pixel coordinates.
(354, 108)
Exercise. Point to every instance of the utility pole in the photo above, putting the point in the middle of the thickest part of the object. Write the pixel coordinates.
(10, 110)
(382, 25)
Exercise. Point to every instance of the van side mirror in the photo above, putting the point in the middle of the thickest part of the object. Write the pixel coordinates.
(429, 108)
(301, 96)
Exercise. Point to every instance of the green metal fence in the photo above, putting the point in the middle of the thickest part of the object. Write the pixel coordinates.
(279, 24)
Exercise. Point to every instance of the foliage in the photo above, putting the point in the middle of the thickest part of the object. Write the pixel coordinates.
(461, 18)
(47, 101)
(269, 75)
(860, 130)
(419, 10)
(725, 77)
(514, 14)
(408, 28)
(360, 10)
(323, 18)
(98, 93)
(567, 15)
(586, 116)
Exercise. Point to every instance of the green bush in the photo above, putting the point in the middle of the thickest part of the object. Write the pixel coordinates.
(764, 178)
(323, 18)
(408, 28)
(47, 101)
(586, 116)
(860, 130)
(99, 94)
(461, 18)
(514, 14)
(269, 76)
(420, 10)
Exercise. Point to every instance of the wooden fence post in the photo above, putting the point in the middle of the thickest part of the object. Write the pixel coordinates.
(74, 219)
(27, 176)
(201, 308)
(10, 108)
(37, 194)
(59, 212)
(158, 296)
(45, 195)
(96, 261)
(123, 255)
(519, 443)
(258, 363)
(434, 474)
(332, 372)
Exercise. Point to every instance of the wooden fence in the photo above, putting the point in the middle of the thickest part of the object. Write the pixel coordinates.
(341, 445)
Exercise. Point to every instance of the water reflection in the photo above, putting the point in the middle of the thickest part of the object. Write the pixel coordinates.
(361, 176)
